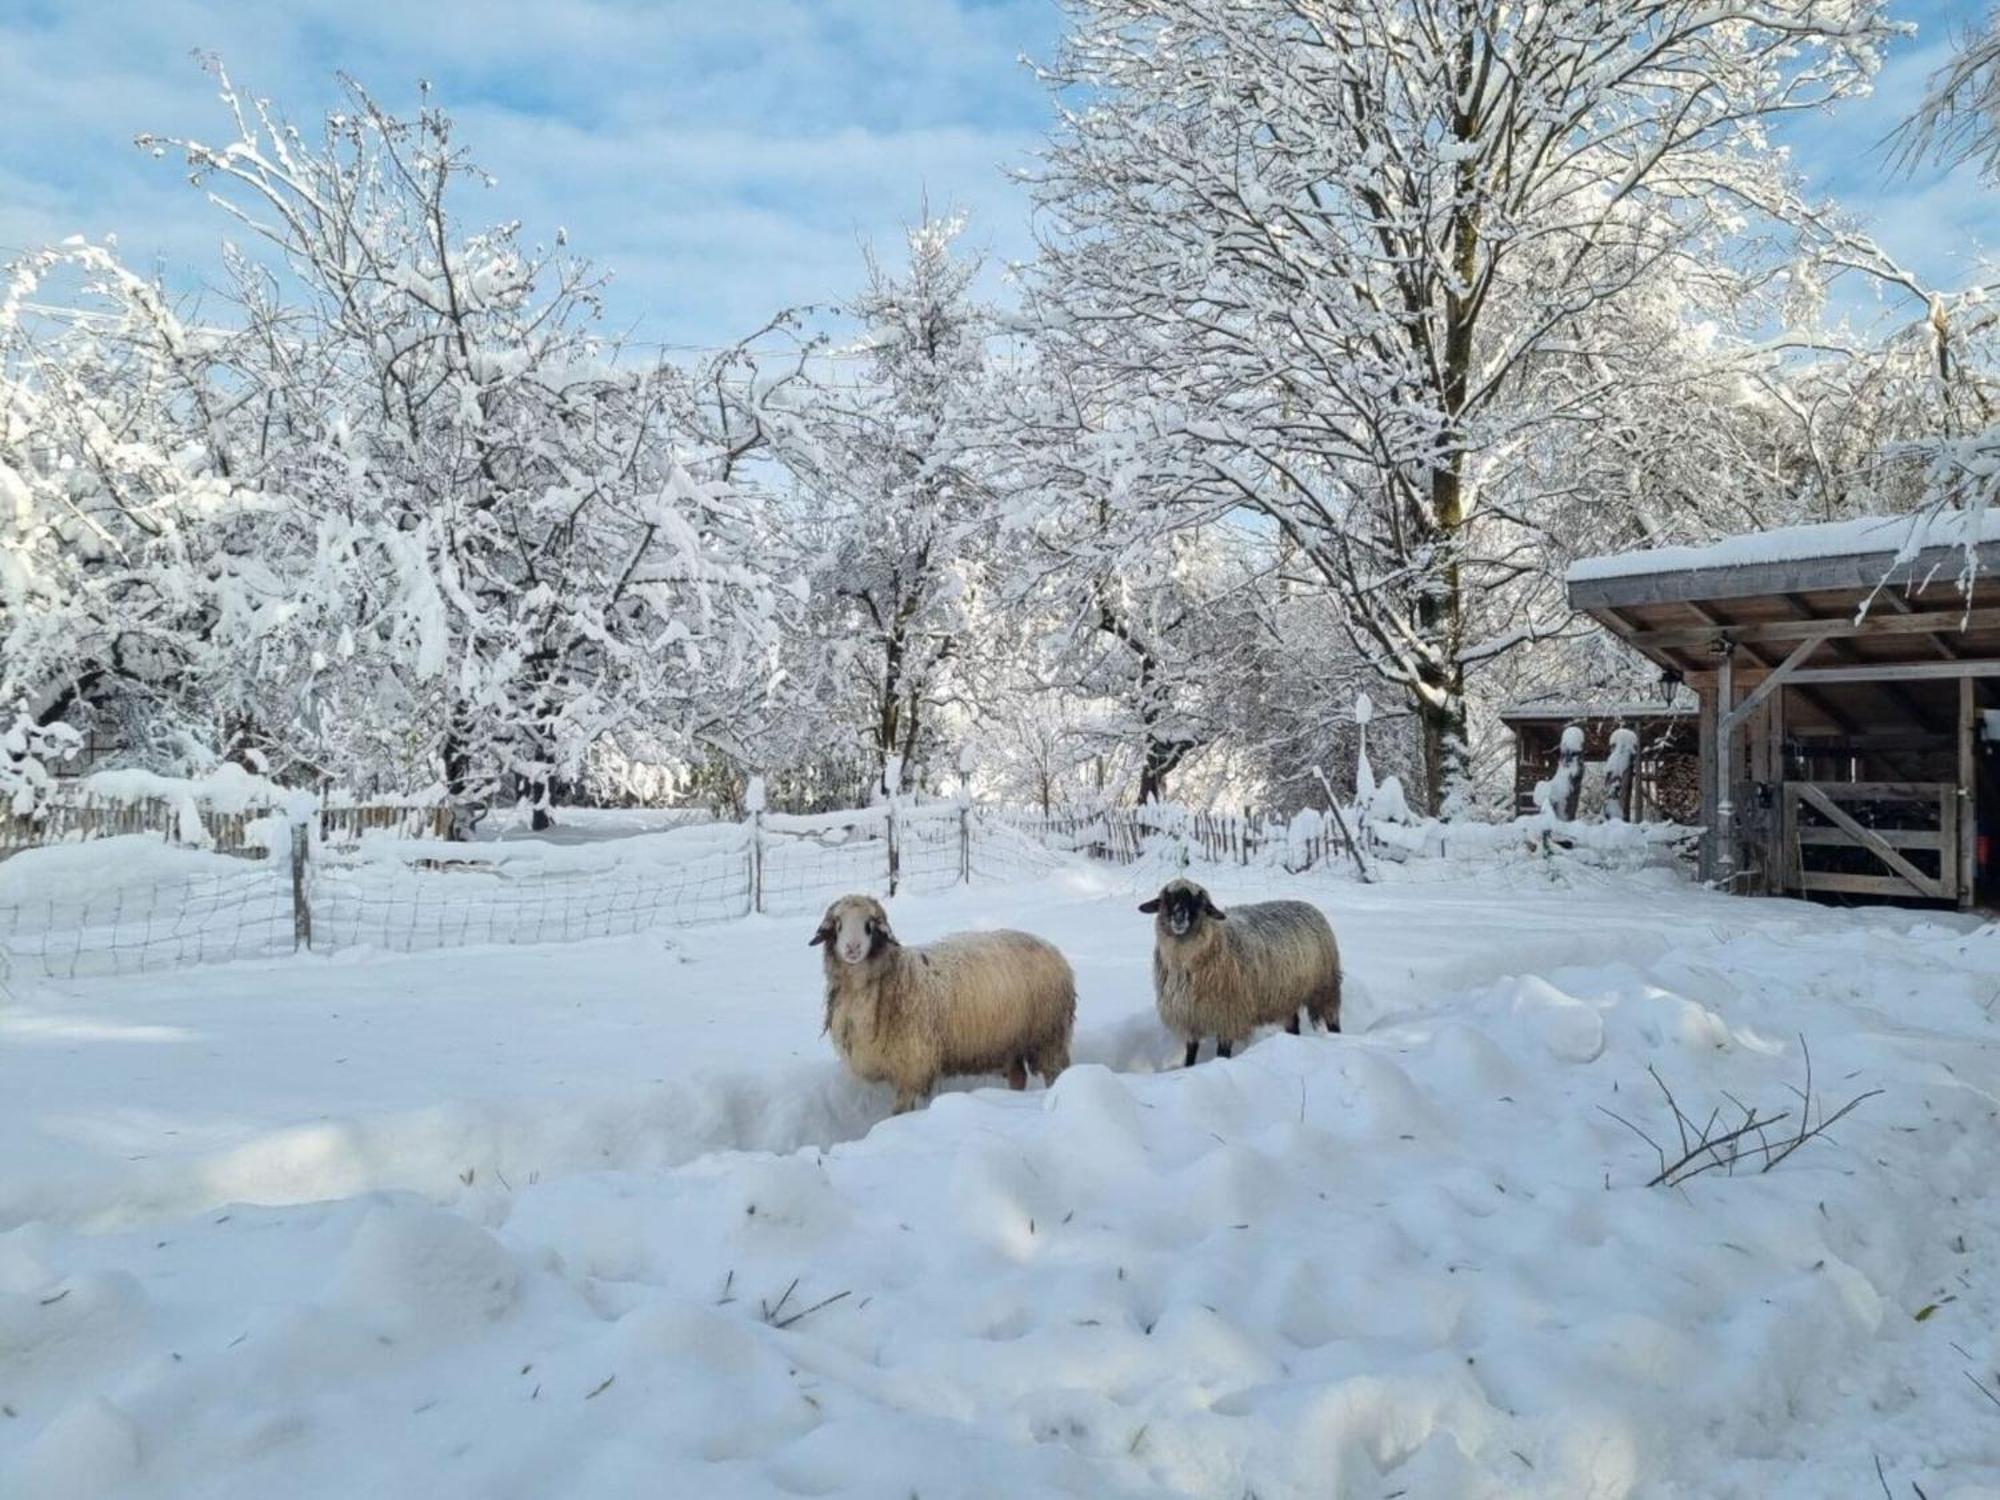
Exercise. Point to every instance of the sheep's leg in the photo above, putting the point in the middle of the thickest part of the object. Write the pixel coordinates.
(1194, 1046)
(907, 1100)
(1017, 1074)
(1224, 1047)
(1327, 1010)
(1292, 1025)
(1051, 1061)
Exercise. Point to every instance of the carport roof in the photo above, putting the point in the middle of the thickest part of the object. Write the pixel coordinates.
(1882, 591)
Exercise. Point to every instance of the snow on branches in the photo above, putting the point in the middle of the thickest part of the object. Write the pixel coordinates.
(1425, 281)
(395, 512)
(29, 755)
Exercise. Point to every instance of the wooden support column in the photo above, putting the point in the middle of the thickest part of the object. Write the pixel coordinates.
(1724, 772)
(1777, 855)
(1968, 794)
(1729, 716)
(1706, 761)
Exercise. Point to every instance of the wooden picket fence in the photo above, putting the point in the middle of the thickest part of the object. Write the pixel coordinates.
(73, 817)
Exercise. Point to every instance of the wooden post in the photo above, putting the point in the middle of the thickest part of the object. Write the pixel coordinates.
(1968, 794)
(895, 860)
(1722, 772)
(964, 842)
(302, 925)
(1778, 855)
(757, 859)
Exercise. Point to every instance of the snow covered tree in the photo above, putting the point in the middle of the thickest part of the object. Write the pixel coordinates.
(1143, 620)
(1936, 380)
(893, 509)
(389, 513)
(505, 545)
(126, 549)
(1368, 260)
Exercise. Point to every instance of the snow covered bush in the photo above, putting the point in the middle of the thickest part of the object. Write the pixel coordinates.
(27, 751)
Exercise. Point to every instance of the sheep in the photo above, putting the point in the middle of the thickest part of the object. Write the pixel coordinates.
(975, 1002)
(1224, 974)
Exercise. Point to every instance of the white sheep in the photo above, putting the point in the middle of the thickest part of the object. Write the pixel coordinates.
(975, 1002)
(1224, 974)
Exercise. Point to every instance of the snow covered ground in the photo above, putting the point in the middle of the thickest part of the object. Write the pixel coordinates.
(607, 1219)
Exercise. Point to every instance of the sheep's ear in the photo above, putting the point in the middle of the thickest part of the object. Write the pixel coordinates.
(819, 937)
(1208, 905)
(1149, 907)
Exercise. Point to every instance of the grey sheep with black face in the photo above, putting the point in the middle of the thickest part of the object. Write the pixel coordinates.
(1225, 973)
(975, 1002)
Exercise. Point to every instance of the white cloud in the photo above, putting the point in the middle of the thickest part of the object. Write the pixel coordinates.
(724, 161)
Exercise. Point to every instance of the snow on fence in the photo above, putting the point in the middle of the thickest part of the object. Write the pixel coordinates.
(146, 903)
(228, 826)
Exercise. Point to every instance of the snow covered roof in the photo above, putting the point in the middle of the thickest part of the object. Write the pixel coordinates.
(1590, 711)
(1899, 538)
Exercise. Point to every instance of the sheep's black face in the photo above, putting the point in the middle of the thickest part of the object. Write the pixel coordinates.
(1182, 907)
(857, 929)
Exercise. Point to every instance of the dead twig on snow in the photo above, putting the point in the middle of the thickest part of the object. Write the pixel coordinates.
(1717, 1144)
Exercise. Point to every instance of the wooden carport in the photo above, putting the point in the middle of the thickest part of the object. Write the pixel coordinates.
(1841, 671)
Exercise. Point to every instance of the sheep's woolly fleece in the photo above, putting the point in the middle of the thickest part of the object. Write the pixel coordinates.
(497, 1255)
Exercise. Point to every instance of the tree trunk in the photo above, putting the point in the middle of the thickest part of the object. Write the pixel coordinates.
(889, 708)
(912, 722)
(457, 774)
(1441, 607)
(1162, 759)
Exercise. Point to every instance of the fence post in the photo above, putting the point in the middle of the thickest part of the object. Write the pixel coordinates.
(964, 842)
(302, 922)
(895, 855)
(753, 803)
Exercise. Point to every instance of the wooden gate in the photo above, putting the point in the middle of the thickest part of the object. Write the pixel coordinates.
(1915, 823)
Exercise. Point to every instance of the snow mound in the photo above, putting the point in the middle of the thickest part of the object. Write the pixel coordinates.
(1419, 1256)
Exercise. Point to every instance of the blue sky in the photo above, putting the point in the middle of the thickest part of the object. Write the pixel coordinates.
(723, 159)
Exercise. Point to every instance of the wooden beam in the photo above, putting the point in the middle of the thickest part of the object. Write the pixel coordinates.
(1924, 885)
(1902, 606)
(1884, 791)
(1896, 838)
(1926, 623)
(1821, 701)
(1775, 679)
(1863, 742)
(1853, 885)
(1913, 671)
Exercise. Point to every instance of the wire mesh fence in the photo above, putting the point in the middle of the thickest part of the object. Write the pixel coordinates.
(414, 907)
(127, 926)
(412, 895)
